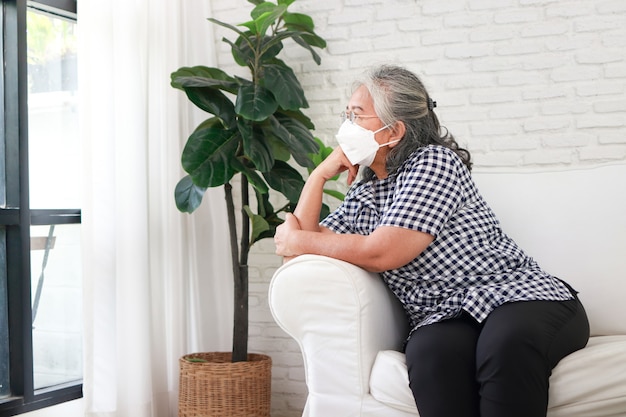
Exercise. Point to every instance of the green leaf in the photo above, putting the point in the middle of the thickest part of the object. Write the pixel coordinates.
(324, 212)
(188, 195)
(285, 179)
(266, 19)
(314, 40)
(273, 222)
(249, 25)
(271, 42)
(256, 2)
(214, 102)
(265, 209)
(322, 154)
(270, 48)
(245, 51)
(226, 25)
(304, 25)
(299, 21)
(261, 8)
(242, 51)
(297, 137)
(300, 41)
(201, 76)
(208, 154)
(285, 2)
(254, 102)
(283, 83)
(279, 149)
(318, 158)
(334, 193)
(259, 224)
(253, 177)
(255, 147)
(298, 116)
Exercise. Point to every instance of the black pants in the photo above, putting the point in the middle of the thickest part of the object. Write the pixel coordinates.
(499, 368)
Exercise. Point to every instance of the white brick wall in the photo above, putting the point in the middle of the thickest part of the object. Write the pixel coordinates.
(528, 83)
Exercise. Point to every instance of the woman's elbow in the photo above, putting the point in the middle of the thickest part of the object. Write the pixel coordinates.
(382, 264)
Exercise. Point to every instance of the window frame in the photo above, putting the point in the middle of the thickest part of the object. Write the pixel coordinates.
(16, 217)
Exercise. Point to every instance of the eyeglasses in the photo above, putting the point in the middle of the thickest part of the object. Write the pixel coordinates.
(347, 115)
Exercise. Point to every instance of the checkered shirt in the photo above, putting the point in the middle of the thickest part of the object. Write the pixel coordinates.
(471, 265)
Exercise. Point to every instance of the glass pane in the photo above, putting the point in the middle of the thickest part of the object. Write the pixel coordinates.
(54, 147)
(4, 320)
(57, 304)
(55, 182)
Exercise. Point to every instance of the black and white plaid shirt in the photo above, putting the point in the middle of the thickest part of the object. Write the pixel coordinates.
(471, 265)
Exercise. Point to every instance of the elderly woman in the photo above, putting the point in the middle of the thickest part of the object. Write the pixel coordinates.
(488, 325)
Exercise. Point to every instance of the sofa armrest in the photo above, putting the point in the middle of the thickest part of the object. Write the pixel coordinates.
(341, 316)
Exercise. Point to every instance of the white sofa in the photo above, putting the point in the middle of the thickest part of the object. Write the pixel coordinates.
(350, 327)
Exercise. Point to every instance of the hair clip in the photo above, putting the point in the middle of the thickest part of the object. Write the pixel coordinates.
(431, 104)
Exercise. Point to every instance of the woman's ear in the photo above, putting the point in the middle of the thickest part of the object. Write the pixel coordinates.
(397, 132)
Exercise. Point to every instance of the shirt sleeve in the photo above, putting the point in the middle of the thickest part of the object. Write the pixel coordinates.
(428, 192)
(336, 221)
(345, 218)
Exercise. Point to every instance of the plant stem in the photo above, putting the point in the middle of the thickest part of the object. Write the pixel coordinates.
(240, 323)
(245, 222)
(240, 277)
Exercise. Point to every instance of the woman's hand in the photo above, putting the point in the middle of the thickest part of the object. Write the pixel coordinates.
(336, 163)
(281, 237)
(307, 212)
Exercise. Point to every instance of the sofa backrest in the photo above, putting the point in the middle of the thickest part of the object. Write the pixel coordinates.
(573, 222)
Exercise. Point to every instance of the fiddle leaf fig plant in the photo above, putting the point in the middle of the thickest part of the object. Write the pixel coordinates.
(254, 131)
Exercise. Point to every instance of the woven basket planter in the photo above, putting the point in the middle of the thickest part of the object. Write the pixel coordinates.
(212, 385)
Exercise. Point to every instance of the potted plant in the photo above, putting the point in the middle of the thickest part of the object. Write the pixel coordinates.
(256, 126)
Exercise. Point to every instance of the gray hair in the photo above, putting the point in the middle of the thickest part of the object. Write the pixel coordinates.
(399, 95)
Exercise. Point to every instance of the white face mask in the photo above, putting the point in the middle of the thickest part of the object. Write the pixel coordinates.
(358, 143)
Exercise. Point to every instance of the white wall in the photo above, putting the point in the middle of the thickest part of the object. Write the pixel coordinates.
(532, 83)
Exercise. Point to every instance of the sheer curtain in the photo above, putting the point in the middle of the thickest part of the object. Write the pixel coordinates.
(151, 291)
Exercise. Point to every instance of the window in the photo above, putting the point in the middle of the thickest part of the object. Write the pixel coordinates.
(40, 200)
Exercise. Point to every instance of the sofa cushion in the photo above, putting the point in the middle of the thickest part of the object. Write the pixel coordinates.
(589, 382)
(572, 222)
(389, 381)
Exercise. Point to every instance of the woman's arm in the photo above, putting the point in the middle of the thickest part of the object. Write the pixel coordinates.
(307, 211)
(386, 248)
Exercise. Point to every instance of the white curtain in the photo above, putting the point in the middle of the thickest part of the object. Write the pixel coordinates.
(153, 291)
